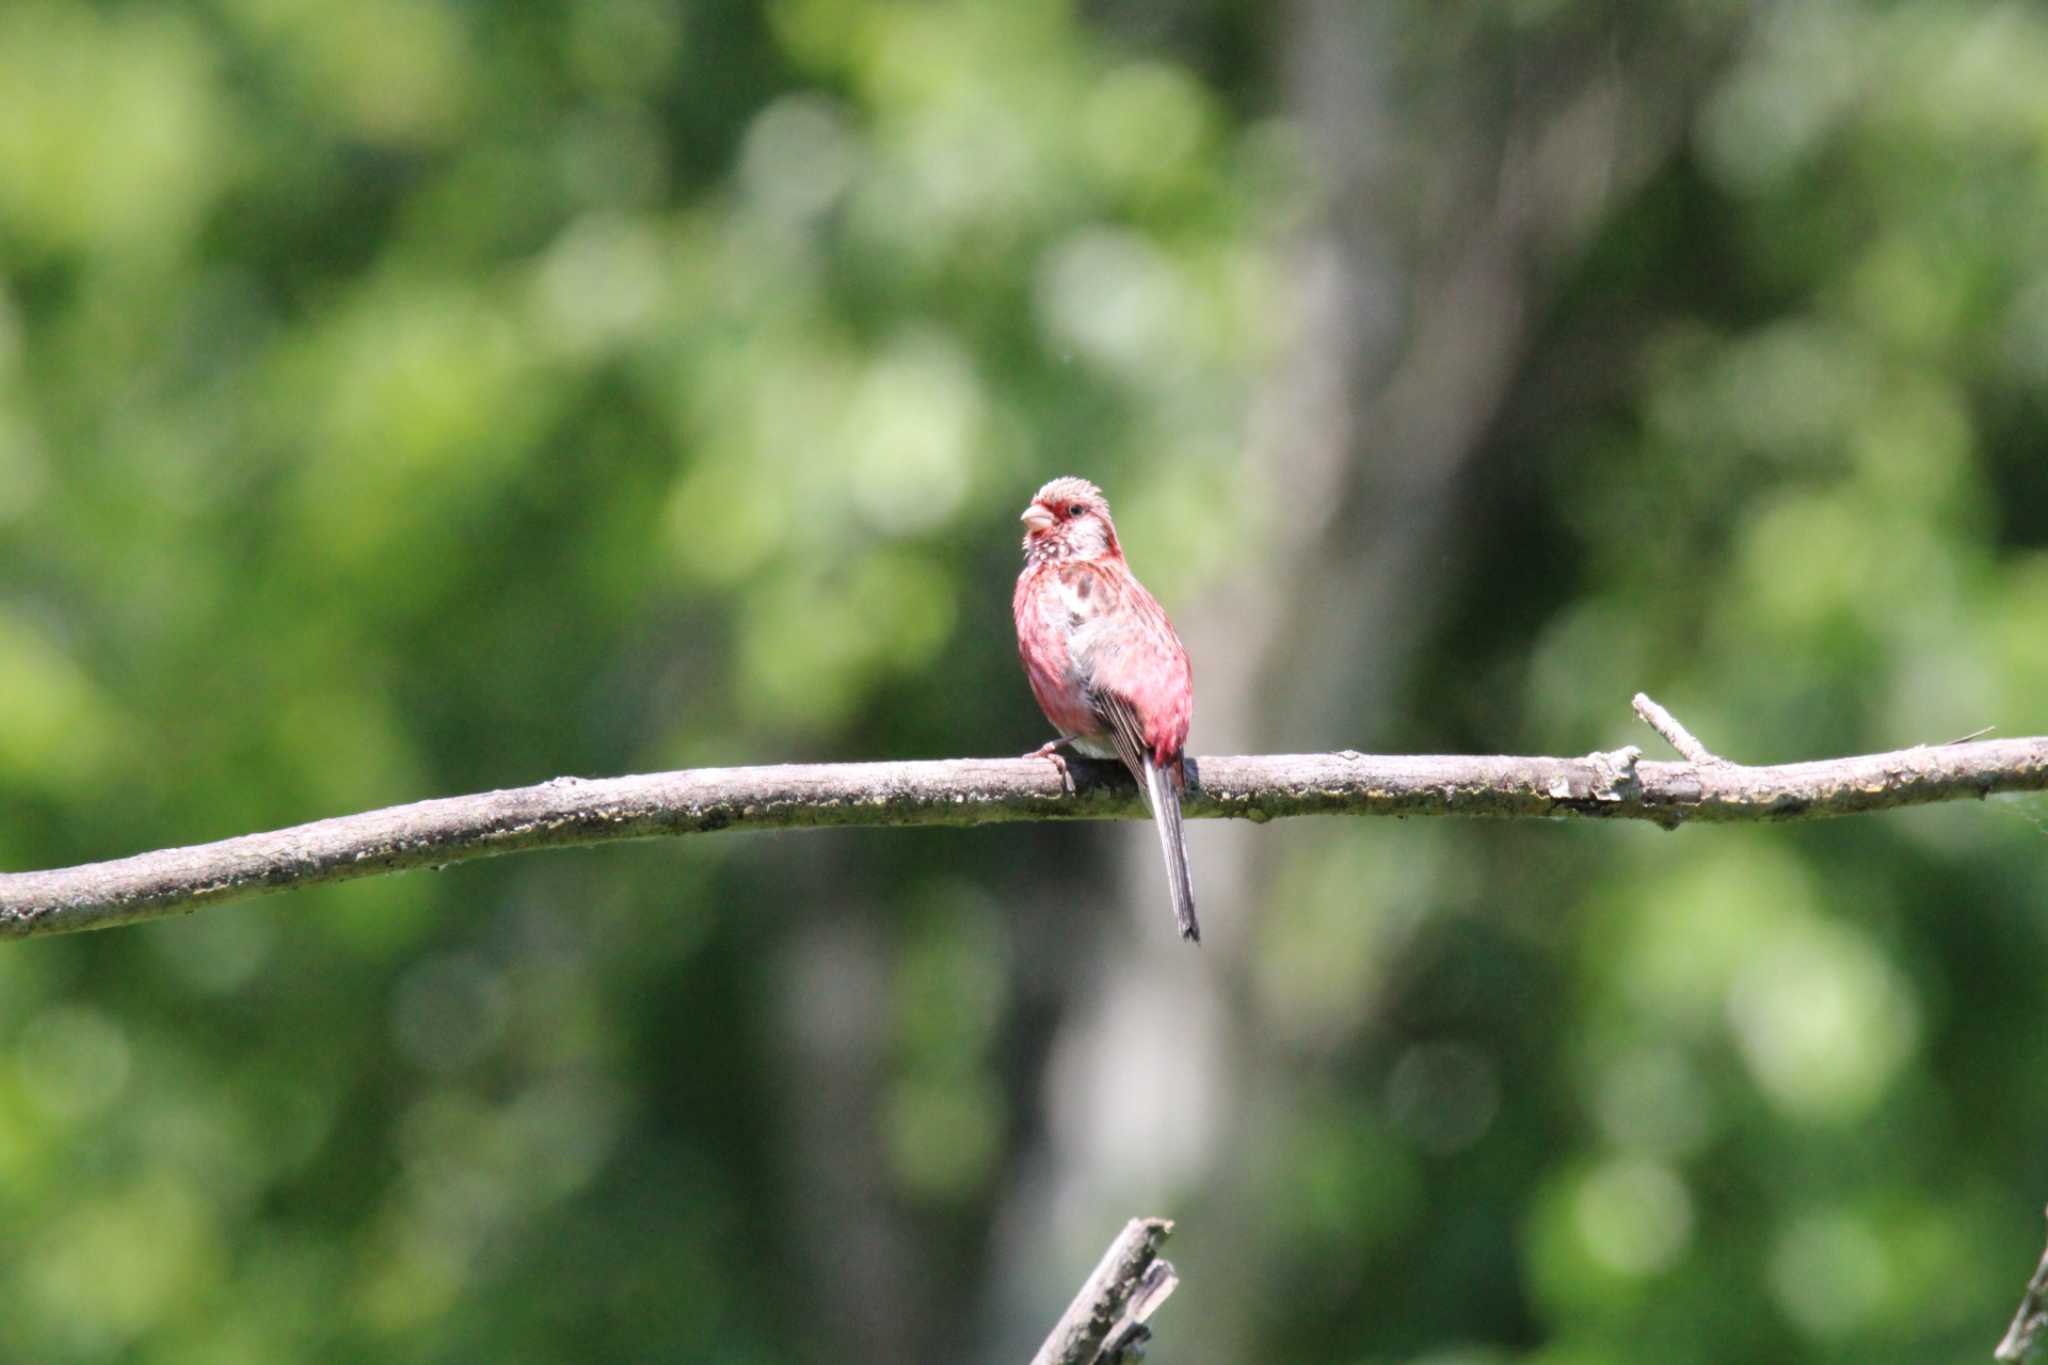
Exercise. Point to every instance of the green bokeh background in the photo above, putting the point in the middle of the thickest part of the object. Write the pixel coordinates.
(412, 397)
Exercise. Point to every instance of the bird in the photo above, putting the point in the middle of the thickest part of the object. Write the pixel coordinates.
(1104, 662)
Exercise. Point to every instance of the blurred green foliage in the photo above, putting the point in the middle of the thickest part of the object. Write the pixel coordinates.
(411, 397)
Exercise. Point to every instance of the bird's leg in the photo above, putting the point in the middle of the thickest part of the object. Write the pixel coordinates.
(1050, 752)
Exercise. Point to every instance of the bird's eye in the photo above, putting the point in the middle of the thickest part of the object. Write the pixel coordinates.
(1077, 510)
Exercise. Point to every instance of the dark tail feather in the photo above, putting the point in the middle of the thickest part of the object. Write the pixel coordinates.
(1162, 789)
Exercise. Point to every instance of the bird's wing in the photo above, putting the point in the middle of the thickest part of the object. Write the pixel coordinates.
(1127, 732)
(1137, 672)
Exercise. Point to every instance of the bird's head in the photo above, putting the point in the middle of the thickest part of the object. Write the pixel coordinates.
(1068, 519)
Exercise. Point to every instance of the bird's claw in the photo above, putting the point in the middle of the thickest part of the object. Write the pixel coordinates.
(1050, 752)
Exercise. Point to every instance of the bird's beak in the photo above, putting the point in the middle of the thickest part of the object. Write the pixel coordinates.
(1036, 519)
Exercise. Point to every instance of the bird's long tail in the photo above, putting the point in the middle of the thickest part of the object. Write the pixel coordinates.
(1162, 790)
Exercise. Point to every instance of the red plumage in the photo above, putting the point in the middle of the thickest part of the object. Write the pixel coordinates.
(1103, 660)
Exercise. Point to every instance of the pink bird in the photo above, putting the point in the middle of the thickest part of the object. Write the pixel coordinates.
(1104, 663)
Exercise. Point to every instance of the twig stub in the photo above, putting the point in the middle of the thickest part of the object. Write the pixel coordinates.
(1676, 735)
(2030, 1323)
(1078, 1337)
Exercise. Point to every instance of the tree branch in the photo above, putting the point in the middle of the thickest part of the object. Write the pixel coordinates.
(571, 811)
(1676, 735)
(2030, 1324)
(1107, 1318)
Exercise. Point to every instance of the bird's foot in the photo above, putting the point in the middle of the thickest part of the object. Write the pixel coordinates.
(1049, 751)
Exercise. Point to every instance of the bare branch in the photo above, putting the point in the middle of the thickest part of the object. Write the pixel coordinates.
(571, 811)
(1676, 735)
(2029, 1327)
(1106, 1319)
(1126, 1341)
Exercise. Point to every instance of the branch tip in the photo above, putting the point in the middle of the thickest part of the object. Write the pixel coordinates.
(1106, 1320)
(2030, 1322)
(1676, 735)
(1126, 1341)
